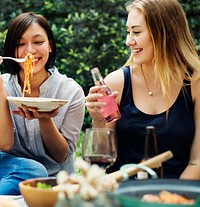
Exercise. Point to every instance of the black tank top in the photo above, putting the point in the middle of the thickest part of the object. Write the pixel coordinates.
(175, 133)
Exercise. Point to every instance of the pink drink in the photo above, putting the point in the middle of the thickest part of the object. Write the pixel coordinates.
(110, 110)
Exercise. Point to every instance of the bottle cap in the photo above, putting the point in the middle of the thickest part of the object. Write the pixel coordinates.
(150, 129)
(142, 175)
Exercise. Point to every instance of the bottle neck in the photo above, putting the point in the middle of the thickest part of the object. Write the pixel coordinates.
(97, 77)
(150, 144)
(151, 148)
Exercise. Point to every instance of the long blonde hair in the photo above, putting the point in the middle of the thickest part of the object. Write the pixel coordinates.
(175, 55)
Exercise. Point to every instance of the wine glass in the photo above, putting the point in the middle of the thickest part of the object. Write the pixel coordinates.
(99, 147)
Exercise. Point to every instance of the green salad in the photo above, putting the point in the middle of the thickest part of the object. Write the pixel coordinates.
(43, 185)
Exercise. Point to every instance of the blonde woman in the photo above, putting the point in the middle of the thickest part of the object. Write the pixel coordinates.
(159, 85)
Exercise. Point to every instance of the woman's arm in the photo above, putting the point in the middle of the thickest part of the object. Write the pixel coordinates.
(6, 124)
(192, 171)
(54, 141)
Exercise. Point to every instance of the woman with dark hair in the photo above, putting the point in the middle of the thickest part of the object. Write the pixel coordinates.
(159, 85)
(43, 142)
(17, 28)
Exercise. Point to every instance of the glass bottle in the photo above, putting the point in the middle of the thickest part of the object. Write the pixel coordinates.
(150, 150)
(110, 110)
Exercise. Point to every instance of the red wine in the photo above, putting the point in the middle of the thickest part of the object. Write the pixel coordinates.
(102, 161)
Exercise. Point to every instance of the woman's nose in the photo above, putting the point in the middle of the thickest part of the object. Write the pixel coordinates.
(130, 41)
(30, 49)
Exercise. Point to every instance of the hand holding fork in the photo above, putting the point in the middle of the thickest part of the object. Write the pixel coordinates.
(19, 60)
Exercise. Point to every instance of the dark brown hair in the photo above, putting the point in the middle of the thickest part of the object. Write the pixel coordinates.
(15, 31)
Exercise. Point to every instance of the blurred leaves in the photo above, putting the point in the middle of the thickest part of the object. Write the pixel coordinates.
(88, 33)
(192, 9)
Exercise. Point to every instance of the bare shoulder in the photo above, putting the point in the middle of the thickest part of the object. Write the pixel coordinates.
(196, 87)
(115, 79)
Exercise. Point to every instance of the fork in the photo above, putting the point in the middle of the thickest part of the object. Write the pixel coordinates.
(19, 60)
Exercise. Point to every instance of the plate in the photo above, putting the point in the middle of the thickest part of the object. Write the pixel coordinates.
(40, 104)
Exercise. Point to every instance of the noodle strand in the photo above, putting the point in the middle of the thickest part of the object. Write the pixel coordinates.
(28, 72)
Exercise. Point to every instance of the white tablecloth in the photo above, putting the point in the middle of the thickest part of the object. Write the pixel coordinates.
(18, 199)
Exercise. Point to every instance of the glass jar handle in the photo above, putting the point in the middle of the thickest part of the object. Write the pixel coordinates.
(142, 167)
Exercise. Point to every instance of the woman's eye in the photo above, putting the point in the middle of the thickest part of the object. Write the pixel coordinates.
(20, 44)
(136, 33)
(133, 33)
(39, 42)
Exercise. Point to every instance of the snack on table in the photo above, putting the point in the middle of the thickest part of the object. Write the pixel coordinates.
(89, 185)
(167, 197)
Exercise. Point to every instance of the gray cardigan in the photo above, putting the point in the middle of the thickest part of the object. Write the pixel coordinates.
(28, 140)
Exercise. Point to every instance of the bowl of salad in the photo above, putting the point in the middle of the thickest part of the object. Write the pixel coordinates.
(90, 187)
(39, 192)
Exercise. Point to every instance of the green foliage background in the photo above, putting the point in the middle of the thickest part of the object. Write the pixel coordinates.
(88, 33)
